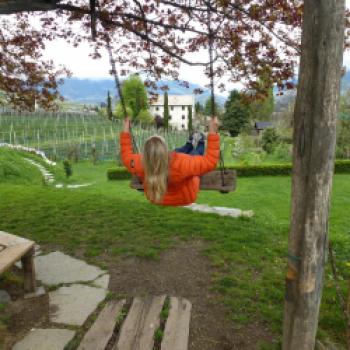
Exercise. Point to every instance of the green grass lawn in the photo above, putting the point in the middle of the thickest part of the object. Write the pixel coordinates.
(250, 254)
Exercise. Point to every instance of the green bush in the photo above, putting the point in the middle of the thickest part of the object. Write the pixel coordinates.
(282, 153)
(270, 139)
(262, 169)
(67, 168)
(119, 173)
(341, 167)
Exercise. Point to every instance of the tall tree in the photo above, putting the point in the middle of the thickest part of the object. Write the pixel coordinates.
(190, 119)
(313, 164)
(262, 108)
(166, 111)
(198, 108)
(136, 100)
(236, 114)
(109, 106)
(208, 107)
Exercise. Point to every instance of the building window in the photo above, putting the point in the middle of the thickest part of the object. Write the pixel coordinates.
(157, 108)
(172, 108)
(169, 117)
(183, 108)
(183, 126)
(183, 117)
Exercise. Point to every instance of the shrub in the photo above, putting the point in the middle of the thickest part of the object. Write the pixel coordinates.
(94, 154)
(341, 167)
(282, 152)
(119, 173)
(67, 168)
(263, 170)
(270, 139)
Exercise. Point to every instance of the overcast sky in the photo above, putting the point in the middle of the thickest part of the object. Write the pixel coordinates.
(82, 66)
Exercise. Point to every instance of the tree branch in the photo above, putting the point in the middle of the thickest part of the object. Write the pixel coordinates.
(143, 36)
(228, 16)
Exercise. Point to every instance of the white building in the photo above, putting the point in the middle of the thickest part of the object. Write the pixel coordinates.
(178, 109)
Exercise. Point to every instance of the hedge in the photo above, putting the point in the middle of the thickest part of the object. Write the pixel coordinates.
(341, 167)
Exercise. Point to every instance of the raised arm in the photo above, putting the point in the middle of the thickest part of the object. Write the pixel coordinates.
(131, 160)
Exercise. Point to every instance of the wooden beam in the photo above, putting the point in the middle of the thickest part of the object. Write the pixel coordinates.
(14, 6)
(137, 332)
(102, 330)
(29, 271)
(11, 254)
(313, 161)
(177, 328)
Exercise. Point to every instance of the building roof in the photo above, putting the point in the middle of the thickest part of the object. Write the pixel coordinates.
(175, 100)
(263, 125)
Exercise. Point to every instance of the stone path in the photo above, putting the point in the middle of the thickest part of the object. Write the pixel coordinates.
(29, 150)
(76, 290)
(45, 339)
(48, 177)
(222, 211)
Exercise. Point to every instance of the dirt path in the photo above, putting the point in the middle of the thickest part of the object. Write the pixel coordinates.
(183, 271)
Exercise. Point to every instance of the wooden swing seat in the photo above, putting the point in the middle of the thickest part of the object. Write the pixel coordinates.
(211, 181)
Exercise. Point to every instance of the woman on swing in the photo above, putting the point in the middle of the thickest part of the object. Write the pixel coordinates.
(171, 178)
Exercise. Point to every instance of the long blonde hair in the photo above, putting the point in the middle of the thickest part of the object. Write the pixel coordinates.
(156, 164)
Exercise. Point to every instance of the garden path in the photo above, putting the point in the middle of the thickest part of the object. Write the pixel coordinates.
(76, 289)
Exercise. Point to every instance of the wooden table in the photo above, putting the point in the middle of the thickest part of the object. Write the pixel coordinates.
(14, 248)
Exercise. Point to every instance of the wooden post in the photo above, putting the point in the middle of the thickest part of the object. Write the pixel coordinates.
(29, 272)
(313, 161)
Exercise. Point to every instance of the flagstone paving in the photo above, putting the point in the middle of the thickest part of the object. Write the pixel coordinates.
(102, 281)
(71, 303)
(58, 268)
(45, 339)
(222, 211)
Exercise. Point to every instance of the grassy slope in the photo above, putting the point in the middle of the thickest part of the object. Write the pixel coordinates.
(14, 169)
(250, 254)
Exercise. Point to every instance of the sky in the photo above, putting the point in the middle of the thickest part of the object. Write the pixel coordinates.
(77, 60)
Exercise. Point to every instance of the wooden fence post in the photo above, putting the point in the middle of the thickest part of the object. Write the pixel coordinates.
(313, 161)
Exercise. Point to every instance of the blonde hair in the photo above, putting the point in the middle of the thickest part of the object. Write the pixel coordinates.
(156, 163)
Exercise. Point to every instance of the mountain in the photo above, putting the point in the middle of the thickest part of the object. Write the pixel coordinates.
(94, 91)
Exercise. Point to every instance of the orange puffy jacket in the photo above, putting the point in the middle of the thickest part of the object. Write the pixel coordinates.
(184, 169)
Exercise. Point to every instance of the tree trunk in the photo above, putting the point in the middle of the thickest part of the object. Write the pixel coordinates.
(313, 162)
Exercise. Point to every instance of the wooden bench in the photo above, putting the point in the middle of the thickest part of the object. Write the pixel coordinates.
(14, 248)
(139, 326)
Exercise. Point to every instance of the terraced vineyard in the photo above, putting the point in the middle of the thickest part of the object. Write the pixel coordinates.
(60, 135)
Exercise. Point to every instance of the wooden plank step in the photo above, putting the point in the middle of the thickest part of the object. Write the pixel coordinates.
(137, 332)
(102, 330)
(177, 326)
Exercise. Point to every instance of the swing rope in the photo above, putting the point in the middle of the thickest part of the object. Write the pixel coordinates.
(212, 87)
(118, 88)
